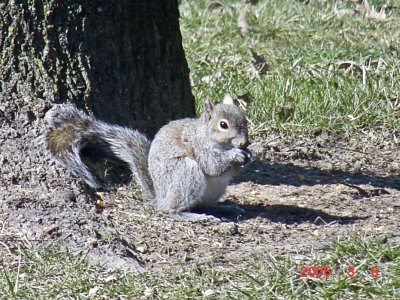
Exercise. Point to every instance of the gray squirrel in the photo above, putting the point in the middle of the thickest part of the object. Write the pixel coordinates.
(187, 166)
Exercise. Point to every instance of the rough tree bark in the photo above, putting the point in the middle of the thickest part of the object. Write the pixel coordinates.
(123, 60)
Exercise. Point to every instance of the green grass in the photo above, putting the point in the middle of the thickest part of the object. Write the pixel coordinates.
(63, 277)
(305, 89)
(60, 276)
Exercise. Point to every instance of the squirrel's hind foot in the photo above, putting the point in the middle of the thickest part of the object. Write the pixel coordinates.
(198, 217)
(216, 213)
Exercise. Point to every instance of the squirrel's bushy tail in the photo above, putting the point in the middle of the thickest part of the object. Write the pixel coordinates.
(76, 140)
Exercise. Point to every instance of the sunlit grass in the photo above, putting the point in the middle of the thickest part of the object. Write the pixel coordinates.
(304, 46)
(61, 276)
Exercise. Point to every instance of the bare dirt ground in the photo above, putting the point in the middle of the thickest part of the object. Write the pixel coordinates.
(299, 194)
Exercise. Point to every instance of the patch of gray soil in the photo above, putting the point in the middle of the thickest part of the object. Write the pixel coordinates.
(43, 206)
(299, 194)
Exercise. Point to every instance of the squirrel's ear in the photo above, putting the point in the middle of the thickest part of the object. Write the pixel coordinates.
(228, 100)
(207, 110)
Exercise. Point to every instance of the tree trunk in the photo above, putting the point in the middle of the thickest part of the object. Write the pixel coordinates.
(123, 60)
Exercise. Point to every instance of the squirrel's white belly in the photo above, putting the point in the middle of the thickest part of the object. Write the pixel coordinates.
(216, 187)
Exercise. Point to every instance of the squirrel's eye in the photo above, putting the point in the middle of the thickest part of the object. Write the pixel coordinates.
(223, 125)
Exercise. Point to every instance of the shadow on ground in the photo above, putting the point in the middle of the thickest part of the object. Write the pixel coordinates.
(277, 174)
(291, 214)
(277, 213)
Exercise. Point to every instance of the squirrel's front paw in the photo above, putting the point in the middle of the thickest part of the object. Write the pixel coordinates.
(248, 155)
(241, 156)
